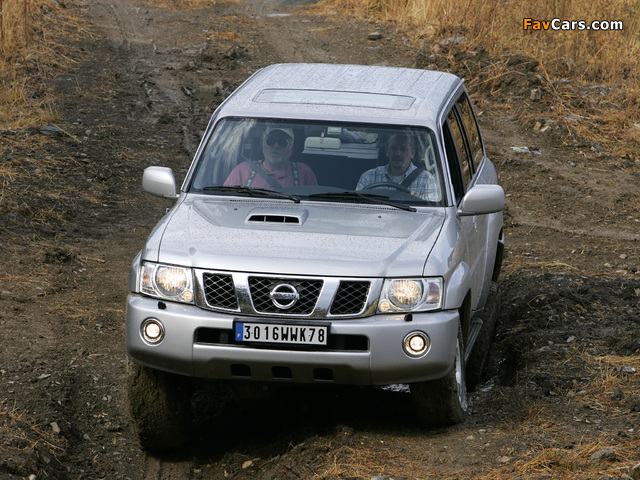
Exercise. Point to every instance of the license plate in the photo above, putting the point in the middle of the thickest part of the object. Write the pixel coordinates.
(281, 333)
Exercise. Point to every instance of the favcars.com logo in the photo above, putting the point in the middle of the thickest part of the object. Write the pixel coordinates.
(558, 24)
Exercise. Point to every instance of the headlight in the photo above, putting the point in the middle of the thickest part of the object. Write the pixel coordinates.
(410, 295)
(167, 281)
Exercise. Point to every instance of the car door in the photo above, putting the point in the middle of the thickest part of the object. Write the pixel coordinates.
(462, 168)
(483, 172)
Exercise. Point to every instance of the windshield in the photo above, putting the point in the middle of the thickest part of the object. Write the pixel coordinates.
(320, 161)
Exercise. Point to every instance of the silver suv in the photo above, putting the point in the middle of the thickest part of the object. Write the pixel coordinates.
(339, 224)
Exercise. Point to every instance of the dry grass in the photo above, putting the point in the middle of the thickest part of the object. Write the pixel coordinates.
(226, 36)
(611, 374)
(30, 55)
(185, 3)
(22, 435)
(567, 456)
(587, 57)
(498, 26)
(556, 449)
(546, 442)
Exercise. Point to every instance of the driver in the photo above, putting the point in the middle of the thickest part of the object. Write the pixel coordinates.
(400, 151)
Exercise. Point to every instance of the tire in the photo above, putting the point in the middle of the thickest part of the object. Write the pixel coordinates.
(442, 402)
(159, 405)
(480, 353)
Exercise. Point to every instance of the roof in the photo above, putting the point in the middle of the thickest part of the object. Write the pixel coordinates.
(345, 92)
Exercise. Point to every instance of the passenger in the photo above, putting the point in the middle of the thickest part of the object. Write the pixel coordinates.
(276, 171)
(400, 151)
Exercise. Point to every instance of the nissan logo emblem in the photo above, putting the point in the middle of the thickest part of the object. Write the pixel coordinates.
(284, 296)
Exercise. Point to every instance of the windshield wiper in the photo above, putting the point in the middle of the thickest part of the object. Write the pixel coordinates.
(369, 197)
(252, 192)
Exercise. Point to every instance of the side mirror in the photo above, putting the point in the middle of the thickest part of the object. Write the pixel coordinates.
(159, 181)
(481, 200)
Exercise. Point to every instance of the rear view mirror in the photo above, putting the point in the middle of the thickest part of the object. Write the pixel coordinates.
(159, 181)
(481, 200)
(322, 143)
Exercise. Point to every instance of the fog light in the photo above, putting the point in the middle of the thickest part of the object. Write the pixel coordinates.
(152, 330)
(416, 344)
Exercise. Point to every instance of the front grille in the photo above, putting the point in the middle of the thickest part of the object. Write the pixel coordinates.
(308, 291)
(350, 298)
(286, 296)
(219, 291)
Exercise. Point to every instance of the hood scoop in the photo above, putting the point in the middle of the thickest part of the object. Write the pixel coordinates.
(293, 217)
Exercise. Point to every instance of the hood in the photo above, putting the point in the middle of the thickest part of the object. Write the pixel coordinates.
(310, 238)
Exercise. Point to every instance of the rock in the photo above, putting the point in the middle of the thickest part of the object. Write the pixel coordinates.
(55, 428)
(51, 131)
(617, 394)
(535, 95)
(374, 36)
(452, 40)
(632, 402)
(634, 472)
(59, 256)
(607, 454)
(234, 53)
(526, 150)
(247, 464)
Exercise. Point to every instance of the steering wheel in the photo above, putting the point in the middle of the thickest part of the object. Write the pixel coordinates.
(395, 186)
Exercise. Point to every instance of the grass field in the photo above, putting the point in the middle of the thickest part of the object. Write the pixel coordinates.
(570, 51)
(30, 54)
(577, 50)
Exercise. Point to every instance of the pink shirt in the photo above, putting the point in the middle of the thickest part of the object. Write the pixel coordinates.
(241, 173)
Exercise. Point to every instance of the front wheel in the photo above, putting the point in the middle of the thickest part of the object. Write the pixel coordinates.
(159, 404)
(442, 402)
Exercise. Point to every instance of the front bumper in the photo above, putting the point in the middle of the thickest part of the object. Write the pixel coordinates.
(378, 359)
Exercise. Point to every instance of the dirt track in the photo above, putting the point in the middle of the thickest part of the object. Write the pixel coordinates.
(563, 382)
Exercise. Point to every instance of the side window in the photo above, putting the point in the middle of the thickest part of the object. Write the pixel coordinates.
(454, 164)
(470, 125)
(461, 148)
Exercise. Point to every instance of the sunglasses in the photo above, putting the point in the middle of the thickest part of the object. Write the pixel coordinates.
(281, 141)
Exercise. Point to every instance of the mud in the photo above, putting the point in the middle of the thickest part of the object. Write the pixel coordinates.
(562, 382)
